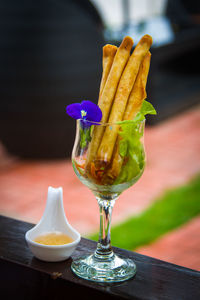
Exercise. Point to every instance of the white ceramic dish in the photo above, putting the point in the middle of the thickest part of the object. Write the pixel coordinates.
(53, 220)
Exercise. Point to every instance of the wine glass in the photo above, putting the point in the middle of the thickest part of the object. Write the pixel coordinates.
(107, 170)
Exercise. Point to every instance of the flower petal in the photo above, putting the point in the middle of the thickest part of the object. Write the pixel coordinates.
(74, 110)
(93, 111)
(87, 111)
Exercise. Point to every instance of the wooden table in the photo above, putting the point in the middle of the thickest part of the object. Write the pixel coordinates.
(23, 276)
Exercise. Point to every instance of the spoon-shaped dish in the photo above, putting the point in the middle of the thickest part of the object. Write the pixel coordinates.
(53, 220)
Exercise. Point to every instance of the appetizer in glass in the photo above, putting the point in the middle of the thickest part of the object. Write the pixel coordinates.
(108, 154)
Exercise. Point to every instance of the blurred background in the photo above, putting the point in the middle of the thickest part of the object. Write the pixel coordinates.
(51, 56)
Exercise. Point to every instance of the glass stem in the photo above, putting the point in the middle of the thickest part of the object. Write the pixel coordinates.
(104, 249)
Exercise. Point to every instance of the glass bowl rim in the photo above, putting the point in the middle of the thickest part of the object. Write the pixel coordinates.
(109, 123)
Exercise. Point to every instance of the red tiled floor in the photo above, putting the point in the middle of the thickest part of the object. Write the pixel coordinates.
(181, 247)
(173, 157)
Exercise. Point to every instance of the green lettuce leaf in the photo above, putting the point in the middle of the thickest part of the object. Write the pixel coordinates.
(85, 136)
(130, 145)
(147, 108)
(131, 148)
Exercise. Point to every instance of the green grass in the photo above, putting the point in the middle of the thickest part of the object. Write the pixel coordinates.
(175, 208)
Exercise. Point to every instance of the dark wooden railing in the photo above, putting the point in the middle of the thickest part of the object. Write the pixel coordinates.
(24, 277)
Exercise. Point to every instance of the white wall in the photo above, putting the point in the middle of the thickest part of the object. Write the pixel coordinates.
(112, 13)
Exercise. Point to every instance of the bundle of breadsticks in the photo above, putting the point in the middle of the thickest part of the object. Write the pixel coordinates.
(122, 91)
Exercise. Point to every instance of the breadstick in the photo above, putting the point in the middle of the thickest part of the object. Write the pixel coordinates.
(125, 86)
(109, 52)
(106, 99)
(116, 164)
(138, 94)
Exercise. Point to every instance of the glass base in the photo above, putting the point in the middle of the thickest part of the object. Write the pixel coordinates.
(113, 269)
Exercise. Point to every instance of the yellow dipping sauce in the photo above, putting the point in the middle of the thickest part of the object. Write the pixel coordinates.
(53, 238)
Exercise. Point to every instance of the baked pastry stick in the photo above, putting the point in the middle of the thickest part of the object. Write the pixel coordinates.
(109, 52)
(138, 94)
(106, 98)
(125, 86)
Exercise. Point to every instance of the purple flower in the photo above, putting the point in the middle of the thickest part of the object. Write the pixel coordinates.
(86, 111)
